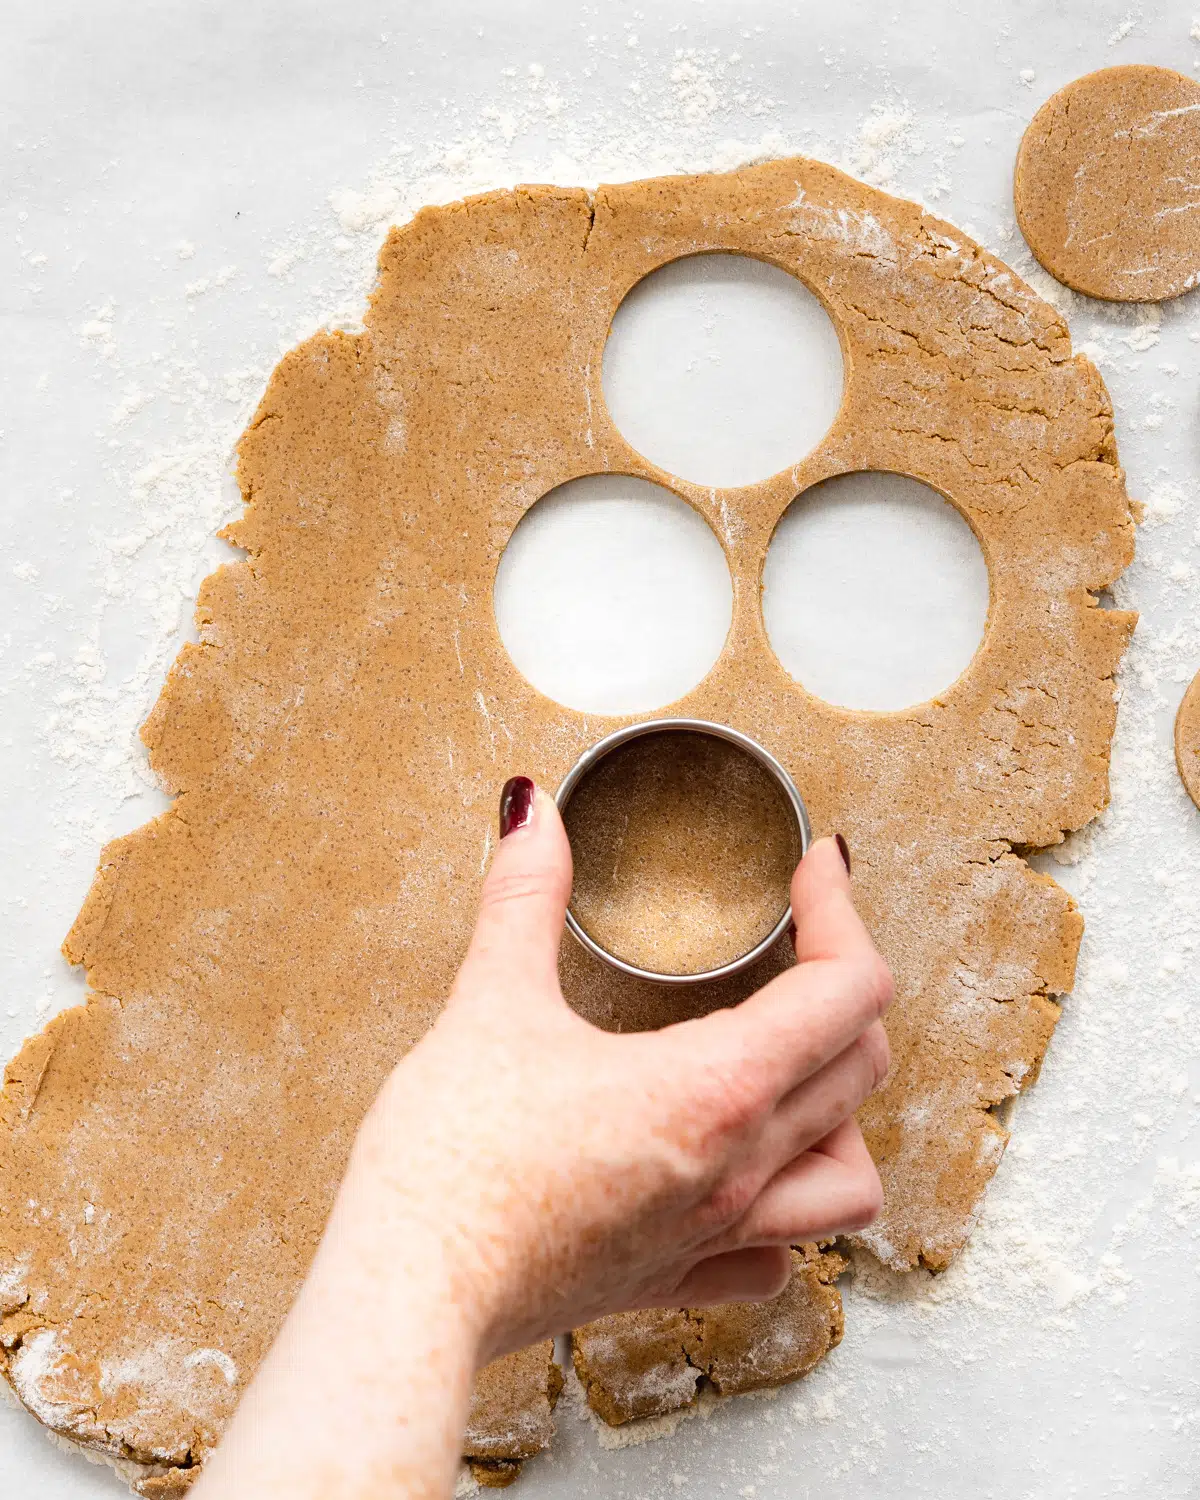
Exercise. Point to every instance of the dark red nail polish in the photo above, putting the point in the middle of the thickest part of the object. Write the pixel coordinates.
(843, 850)
(516, 804)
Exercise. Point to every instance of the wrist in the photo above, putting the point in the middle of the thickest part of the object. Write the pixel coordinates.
(415, 1213)
(367, 1389)
(391, 1263)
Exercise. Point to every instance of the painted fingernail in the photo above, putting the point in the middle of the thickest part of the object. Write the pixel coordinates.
(516, 804)
(843, 850)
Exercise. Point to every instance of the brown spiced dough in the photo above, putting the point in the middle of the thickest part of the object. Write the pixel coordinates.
(684, 847)
(1187, 740)
(646, 1364)
(261, 955)
(1107, 184)
(511, 1415)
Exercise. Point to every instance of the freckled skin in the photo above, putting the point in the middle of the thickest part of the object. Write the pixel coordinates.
(522, 1172)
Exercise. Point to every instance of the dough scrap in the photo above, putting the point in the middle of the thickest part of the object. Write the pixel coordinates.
(261, 955)
(646, 1364)
(1107, 184)
(511, 1415)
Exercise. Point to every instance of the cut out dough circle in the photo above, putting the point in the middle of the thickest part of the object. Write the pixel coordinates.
(1187, 740)
(1106, 183)
(261, 955)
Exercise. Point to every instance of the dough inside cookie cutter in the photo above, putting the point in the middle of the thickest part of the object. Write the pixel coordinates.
(791, 799)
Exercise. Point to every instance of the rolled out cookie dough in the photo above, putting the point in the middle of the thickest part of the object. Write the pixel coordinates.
(1107, 184)
(1187, 740)
(261, 955)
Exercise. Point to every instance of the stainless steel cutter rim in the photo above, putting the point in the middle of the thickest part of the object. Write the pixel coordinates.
(596, 753)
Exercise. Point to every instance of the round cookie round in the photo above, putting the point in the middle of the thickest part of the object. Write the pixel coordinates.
(1187, 740)
(1107, 184)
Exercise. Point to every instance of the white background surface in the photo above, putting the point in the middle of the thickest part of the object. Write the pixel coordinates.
(1058, 1358)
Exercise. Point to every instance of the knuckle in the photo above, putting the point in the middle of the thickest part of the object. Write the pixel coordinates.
(736, 1109)
(866, 1200)
(876, 1055)
(732, 1097)
(505, 886)
(879, 986)
(730, 1199)
(776, 1226)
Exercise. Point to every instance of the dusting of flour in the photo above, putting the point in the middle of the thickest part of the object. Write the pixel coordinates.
(1102, 1179)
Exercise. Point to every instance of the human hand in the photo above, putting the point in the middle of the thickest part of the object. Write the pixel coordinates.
(565, 1172)
(522, 1172)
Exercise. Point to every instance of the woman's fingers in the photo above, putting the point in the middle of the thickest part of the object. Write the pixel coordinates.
(756, 1053)
(755, 1274)
(805, 1017)
(523, 904)
(831, 1189)
(827, 924)
(821, 1103)
(840, 986)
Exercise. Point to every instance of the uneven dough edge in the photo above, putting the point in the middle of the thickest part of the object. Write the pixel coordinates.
(510, 1420)
(647, 1364)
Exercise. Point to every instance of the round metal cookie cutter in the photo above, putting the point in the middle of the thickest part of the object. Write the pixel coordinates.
(596, 753)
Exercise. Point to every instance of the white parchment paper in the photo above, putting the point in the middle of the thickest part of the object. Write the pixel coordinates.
(191, 187)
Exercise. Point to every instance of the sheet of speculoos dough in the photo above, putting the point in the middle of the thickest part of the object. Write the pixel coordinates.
(262, 954)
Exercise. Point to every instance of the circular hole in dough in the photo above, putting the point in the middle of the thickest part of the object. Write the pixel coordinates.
(613, 595)
(1107, 187)
(875, 591)
(722, 369)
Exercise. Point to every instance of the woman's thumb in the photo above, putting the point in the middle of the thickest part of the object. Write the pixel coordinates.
(524, 899)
